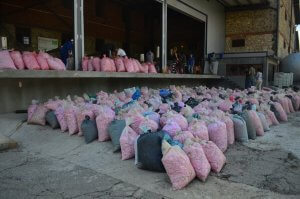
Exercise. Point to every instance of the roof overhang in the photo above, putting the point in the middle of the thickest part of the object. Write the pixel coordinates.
(297, 11)
(237, 5)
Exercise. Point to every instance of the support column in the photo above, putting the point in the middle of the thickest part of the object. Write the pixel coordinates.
(78, 33)
(164, 34)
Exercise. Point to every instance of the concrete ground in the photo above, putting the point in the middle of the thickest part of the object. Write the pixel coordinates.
(51, 164)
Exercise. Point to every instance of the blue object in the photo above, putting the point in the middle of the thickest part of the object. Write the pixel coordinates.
(165, 93)
(64, 51)
(136, 95)
(171, 141)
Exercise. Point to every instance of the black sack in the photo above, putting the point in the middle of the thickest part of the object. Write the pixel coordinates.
(149, 153)
(115, 130)
(89, 130)
(52, 120)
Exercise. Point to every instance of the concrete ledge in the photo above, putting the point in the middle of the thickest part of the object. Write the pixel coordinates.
(8, 74)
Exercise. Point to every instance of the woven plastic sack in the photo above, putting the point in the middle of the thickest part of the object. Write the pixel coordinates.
(148, 152)
(136, 120)
(240, 129)
(199, 129)
(96, 63)
(187, 111)
(128, 65)
(171, 128)
(89, 129)
(284, 104)
(59, 112)
(272, 117)
(53, 104)
(70, 117)
(147, 125)
(81, 115)
(144, 68)
(198, 159)
(106, 116)
(38, 116)
(152, 116)
(127, 141)
(177, 165)
(56, 64)
(152, 68)
(264, 121)
(17, 59)
(42, 61)
(52, 120)
(30, 61)
(31, 109)
(214, 155)
(181, 136)
(290, 104)
(6, 61)
(119, 64)
(250, 125)
(84, 63)
(115, 130)
(218, 134)
(90, 64)
(281, 116)
(256, 122)
(230, 129)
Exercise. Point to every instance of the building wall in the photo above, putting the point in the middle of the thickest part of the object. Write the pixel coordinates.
(256, 27)
(286, 28)
(216, 22)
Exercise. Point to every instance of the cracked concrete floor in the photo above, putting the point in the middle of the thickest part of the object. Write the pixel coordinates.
(51, 164)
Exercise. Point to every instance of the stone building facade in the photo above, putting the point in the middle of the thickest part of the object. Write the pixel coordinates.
(270, 29)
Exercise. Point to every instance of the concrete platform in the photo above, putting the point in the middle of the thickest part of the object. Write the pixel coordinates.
(51, 164)
(94, 74)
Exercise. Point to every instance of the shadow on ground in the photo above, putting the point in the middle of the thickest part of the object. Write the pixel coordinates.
(275, 170)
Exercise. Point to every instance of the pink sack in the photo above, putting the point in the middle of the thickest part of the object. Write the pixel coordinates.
(147, 125)
(30, 61)
(135, 66)
(225, 105)
(199, 130)
(284, 104)
(178, 167)
(144, 68)
(70, 117)
(56, 64)
(127, 141)
(128, 65)
(96, 63)
(198, 159)
(171, 128)
(181, 121)
(282, 113)
(181, 136)
(272, 117)
(17, 59)
(31, 109)
(119, 64)
(42, 61)
(105, 64)
(230, 129)
(105, 117)
(136, 120)
(53, 104)
(218, 134)
(152, 68)
(84, 63)
(256, 122)
(290, 105)
(6, 61)
(80, 116)
(59, 112)
(38, 116)
(214, 155)
(112, 66)
(90, 64)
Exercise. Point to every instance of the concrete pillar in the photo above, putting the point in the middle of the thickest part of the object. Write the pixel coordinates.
(78, 32)
(266, 72)
(164, 34)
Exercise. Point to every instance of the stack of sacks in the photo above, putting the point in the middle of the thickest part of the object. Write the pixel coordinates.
(29, 60)
(118, 64)
(183, 131)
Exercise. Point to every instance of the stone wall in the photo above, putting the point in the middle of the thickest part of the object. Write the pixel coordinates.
(286, 28)
(257, 27)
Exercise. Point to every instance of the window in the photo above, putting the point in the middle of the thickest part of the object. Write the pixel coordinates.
(238, 43)
(23, 35)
